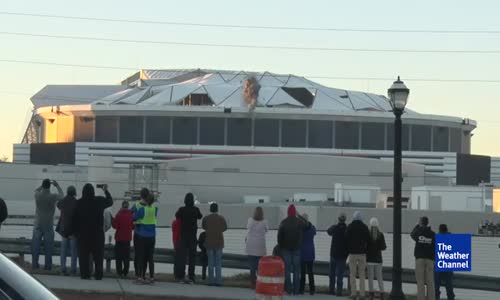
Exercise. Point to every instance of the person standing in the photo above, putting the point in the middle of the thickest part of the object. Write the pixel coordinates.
(144, 193)
(176, 234)
(89, 229)
(255, 246)
(307, 256)
(374, 258)
(358, 237)
(214, 225)
(424, 239)
(145, 223)
(43, 227)
(4, 213)
(203, 254)
(447, 277)
(123, 223)
(189, 216)
(69, 245)
(290, 234)
(338, 255)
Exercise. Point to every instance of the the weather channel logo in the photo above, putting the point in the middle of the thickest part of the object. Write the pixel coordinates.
(453, 253)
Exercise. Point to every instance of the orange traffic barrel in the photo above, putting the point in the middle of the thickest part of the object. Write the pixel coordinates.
(270, 278)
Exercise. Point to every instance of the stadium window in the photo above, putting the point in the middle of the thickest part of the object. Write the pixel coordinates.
(405, 136)
(320, 134)
(239, 131)
(212, 131)
(266, 132)
(346, 135)
(293, 133)
(440, 138)
(421, 138)
(456, 140)
(158, 130)
(372, 136)
(131, 129)
(197, 100)
(185, 130)
(84, 129)
(106, 129)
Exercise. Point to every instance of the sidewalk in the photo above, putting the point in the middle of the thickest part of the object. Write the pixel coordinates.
(109, 285)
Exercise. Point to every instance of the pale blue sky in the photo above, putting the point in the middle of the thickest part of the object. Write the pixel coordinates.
(477, 101)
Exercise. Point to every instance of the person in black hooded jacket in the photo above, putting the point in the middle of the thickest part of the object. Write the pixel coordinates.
(189, 216)
(89, 229)
(424, 239)
(338, 255)
(358, 236)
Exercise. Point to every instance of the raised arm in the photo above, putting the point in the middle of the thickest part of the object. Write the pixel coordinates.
(139, 214)
(414, 233)
(108, 200)
(60, 193)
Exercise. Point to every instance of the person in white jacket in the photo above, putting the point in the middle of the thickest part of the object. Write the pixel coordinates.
(256, 241)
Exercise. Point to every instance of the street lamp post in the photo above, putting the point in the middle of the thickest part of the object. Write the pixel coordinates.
(398, 95)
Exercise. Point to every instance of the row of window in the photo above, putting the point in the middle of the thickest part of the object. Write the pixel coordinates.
(268, 132)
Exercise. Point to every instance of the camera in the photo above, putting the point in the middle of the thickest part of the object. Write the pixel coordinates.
(100, 185)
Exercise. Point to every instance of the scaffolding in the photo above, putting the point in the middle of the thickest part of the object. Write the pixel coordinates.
(143, 176)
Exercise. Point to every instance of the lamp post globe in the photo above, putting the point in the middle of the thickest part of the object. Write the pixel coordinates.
(398, 95)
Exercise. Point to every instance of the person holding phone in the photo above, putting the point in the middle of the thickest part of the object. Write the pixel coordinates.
(43, 227)
(89, 229)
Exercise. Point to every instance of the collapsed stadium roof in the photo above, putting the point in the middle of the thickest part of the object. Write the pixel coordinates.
(219, 88)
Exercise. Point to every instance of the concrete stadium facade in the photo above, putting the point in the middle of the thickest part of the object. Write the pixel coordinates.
(239, 128)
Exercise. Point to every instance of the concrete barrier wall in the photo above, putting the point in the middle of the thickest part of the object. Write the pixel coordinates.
(324, 216)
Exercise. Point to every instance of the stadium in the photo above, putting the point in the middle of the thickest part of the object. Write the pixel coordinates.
(260, 135)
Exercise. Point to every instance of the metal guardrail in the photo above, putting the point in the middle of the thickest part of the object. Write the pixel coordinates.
(22, 246)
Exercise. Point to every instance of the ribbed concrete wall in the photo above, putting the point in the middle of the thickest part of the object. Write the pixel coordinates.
(323, 217)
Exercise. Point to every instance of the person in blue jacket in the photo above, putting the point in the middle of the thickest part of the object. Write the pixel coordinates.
(307, 256)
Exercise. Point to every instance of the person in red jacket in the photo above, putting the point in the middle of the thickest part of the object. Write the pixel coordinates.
(176, 231)
(176, 235)
(124, 225)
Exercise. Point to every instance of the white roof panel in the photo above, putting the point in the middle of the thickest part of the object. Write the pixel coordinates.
(53, 95)
(225, 88)
(280, 97)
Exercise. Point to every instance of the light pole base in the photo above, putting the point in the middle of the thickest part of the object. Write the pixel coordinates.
(397, 295)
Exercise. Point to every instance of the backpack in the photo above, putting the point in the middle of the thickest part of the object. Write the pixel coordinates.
(3, 211)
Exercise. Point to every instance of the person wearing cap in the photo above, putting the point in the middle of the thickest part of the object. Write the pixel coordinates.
(358, 237)
(424, 239)
(123, 223)
(338, 255)
(67, 207)
(189, 215)
(290, 234)
(374, 258)
(447, 277)
(214, 225)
